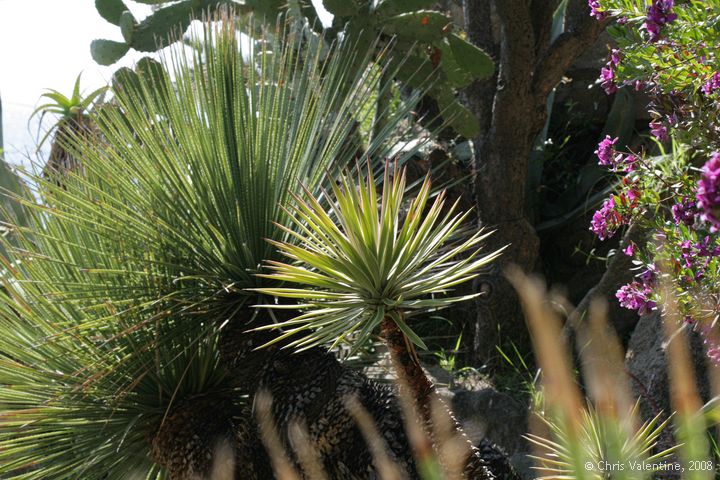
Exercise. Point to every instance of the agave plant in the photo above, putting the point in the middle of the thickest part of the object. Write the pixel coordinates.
(117, 293)
(365, 262)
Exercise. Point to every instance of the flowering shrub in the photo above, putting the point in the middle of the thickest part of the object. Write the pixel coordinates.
(670, 50)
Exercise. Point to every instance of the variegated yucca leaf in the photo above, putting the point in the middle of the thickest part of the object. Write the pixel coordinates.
(365, 257)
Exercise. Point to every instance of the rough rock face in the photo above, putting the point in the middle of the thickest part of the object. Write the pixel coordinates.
(646, 364)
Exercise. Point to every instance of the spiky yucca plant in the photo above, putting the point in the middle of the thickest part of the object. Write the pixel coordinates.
(363, 262)
(115, 297)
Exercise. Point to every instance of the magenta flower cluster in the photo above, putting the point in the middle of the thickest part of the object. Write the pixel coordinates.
(606, 151)
(636, 296)
(607, 73)
(712, 84)
(708, 192)
(609, 157)
(659, 130)
(659, 14)
(596, 10)
(607, 220)
(684, 212)
(689, 244)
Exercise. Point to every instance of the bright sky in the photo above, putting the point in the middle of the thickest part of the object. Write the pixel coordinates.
(46, 44)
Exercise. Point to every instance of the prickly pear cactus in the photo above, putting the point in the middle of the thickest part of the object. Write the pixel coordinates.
(161, 28)
(432, 46)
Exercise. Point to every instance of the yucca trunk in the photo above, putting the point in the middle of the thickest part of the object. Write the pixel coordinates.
(61, 159)
(422, 391)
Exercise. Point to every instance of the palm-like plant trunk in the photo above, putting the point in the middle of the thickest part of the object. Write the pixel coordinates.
(422, 392)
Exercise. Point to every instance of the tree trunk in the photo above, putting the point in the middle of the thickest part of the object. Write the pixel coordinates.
(412, 377)
(511, 107)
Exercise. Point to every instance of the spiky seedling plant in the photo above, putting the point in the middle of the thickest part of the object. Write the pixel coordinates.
(116, 296)
(363, 261)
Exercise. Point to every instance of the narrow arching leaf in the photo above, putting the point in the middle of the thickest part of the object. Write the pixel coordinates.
(367, 257)
(118, 279)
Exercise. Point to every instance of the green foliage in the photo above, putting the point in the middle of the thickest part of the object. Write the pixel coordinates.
(115, 295)
(358, 264)
(428, 37)
(107, 52)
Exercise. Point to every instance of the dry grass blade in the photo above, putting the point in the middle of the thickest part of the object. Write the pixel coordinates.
(453, 447)
(386, 468)
(562, 395)
(281, 464)
(604, 369)
(306, 452)
(689, 421)
(684, 394)
(558, 383)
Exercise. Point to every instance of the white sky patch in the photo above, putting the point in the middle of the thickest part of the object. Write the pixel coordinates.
(46, 44)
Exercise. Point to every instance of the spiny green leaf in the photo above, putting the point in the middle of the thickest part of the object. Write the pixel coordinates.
(127, 26)
(399, 261)
(423, 26)
(111, 10)
(470, 58)
(107, 52)
(393, 7)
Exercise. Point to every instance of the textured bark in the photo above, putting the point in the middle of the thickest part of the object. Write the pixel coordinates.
(422, 391)
(208, 434)
(511, 107)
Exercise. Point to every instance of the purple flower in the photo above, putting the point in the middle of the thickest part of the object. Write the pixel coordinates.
(607, 79)
(633, 195)
(713, 353)
(649, 276)
(628, 163)
(606, 221)
(704, 250)
(659, 14)
(684, 212)
(712, 345)
(630, 249)
(708, 192)
(659, 130)
(595, 10)
(687, 254)
(606, 151)
(636, 296)
(712, 84)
